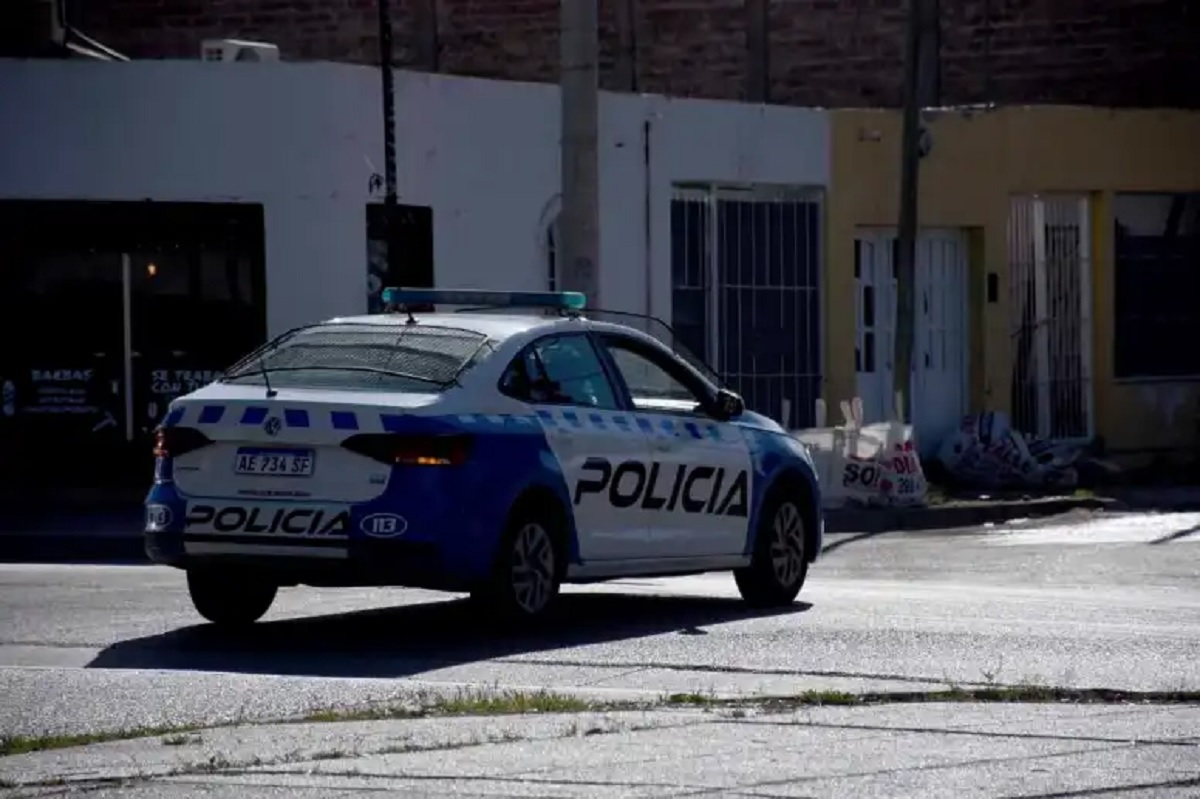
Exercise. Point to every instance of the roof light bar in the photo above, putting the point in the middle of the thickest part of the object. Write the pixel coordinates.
(563, 300)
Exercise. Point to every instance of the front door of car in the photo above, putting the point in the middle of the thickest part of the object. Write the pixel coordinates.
(562, 377)
(701, 472)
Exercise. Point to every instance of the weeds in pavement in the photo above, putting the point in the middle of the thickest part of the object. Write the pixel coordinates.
(465, 702)
(220, 763)
(1026, 693)
(692, 699)
(181, 739)
(479, 702)
(21, 744)
(992, 676)
(1029, 694)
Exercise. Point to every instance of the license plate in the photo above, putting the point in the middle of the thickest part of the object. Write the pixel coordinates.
(274, 462)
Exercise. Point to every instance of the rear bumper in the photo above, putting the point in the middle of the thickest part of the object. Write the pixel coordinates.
(418, 537)
(341, 563)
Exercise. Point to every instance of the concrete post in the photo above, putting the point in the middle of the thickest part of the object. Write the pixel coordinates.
(910, 159)
(579, 224)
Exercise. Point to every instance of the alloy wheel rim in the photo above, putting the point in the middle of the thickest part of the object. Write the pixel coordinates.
(787, 544)
(533, 568)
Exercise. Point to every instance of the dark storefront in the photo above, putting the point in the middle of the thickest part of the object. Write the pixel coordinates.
(107, 312)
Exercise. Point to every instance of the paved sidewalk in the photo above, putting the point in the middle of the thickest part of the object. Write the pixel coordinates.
(929, 750)
(963, 513)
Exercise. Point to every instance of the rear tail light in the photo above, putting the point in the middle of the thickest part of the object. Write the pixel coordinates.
(432, 450)
(171, 442)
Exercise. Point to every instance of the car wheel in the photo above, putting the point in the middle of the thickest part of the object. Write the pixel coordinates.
(229, 600)
(778, 566)
(527, 574)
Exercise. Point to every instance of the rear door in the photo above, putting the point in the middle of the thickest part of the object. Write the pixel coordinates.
(563, 378)
(698, 502)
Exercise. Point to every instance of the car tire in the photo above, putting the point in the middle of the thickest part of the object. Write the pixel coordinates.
(229, 600)
(779, 564)
(527, 573)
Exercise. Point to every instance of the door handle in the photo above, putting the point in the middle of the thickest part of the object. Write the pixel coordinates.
(662, 445)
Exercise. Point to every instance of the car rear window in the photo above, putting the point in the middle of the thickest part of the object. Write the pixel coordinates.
(363, 356)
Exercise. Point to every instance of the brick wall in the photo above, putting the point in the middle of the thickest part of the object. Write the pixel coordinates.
(810, 52)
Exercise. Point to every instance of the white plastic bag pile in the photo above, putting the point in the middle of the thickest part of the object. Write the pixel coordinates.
(986, 451)
(865, 464)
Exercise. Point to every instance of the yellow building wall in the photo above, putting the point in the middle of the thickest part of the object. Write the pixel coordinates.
(979, 159)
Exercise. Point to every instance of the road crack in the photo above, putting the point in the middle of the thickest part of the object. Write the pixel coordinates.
(633, 667)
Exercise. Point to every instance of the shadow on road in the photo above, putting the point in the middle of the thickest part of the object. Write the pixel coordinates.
(409, 640)
(79, 550)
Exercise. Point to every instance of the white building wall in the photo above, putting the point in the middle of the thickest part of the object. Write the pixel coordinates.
(304, 140)
(727, 143)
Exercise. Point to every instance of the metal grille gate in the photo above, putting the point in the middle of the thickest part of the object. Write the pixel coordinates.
(1049, 245)
(745, 268)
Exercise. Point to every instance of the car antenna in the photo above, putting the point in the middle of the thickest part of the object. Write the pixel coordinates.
(262, 366)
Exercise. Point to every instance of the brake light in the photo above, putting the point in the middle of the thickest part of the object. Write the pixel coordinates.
(171, 442)
(412, 450)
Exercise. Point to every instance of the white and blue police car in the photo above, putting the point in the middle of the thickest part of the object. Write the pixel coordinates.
(500, 451)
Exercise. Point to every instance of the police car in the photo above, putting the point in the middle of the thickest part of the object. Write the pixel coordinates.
(500, 451)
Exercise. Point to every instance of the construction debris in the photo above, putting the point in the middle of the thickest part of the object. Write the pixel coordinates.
(987, 452)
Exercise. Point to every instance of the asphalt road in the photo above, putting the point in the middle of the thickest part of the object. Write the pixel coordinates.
(86, 647)
(1082, 601)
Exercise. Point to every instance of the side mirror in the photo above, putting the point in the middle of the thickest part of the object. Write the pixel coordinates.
(728, 405)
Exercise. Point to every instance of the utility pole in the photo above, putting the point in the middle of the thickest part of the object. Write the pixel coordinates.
(906, 251)
(579, 222)
(389, 138)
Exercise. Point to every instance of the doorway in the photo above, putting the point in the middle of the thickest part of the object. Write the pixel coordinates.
(109, 311)
(411, 230)
(940, 336)
(1050, 308)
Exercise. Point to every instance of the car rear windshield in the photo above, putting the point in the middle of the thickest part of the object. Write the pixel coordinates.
(392, 357)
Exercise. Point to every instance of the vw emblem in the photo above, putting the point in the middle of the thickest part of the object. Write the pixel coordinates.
(272, 426)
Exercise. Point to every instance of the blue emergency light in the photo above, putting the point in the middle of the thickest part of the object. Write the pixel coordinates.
(562, 300)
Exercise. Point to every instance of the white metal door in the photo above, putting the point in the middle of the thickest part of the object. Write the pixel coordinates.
(940, 336)
(1050, 309)
(940, 378)
(874, 298)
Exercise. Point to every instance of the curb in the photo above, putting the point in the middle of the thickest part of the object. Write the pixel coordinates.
(59, 548)
(951, 516)
(97, 535)
(89, 523)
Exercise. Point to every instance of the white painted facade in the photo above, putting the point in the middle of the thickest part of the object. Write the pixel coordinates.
(303, 139)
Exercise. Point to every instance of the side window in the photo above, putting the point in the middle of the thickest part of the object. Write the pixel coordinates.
(653, 381)
(560, 370)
